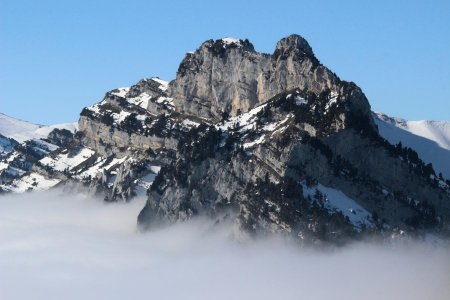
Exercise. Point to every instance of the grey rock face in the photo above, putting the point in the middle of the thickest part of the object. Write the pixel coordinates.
(128, 120)
(219, 79)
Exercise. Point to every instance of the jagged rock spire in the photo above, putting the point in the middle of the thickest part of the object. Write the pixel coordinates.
(293, 44)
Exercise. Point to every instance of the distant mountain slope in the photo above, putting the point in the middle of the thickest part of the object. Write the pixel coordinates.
(430, 139)
(22, 131)
(22, 144)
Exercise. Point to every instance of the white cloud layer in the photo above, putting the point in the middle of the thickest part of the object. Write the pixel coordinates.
(59, 246)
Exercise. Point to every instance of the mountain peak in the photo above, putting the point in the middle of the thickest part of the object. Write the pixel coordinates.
(229, 41)
(229, 76)
(220, 46)
(293, 44)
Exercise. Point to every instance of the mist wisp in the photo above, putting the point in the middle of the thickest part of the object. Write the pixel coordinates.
(59, 246)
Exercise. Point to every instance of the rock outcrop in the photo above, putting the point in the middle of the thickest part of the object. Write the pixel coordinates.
(229, 77)
(60, 137)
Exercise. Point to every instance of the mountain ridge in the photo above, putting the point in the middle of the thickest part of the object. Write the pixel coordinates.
(431, 139)
(22, 131)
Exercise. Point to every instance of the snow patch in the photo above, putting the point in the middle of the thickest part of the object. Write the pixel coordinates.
(300, 100)
(163, 84)
(66, 162)
(144, 183)
(121, 92)
(336, 200)
(155, 169)
(332, 100)
(100, 166)
(255, 142)
(243, 121)
(166, 100)
(32, 181)
(189, 124)
(229, 41)
(275, 125)
(141, 100)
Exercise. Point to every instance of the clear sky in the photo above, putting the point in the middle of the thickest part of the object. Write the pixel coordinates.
(58, 56)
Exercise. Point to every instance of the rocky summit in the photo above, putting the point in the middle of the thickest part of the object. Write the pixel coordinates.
(271, 143)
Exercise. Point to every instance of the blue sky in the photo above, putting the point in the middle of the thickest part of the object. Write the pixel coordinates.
(58, 56)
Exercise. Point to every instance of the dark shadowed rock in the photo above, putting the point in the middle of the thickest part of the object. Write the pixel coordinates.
(60, 137)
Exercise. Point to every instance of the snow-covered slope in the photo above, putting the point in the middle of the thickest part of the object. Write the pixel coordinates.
(335, 200)
(430, 139)
(17, 129)
(22, 144)
(22, 131)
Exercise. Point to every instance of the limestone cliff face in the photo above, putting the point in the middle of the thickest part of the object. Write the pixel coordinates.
(229, 76)
(129, 119)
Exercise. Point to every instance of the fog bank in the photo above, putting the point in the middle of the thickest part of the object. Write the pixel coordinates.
(60, 246)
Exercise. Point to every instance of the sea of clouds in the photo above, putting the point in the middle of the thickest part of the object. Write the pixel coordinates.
(55, 245)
